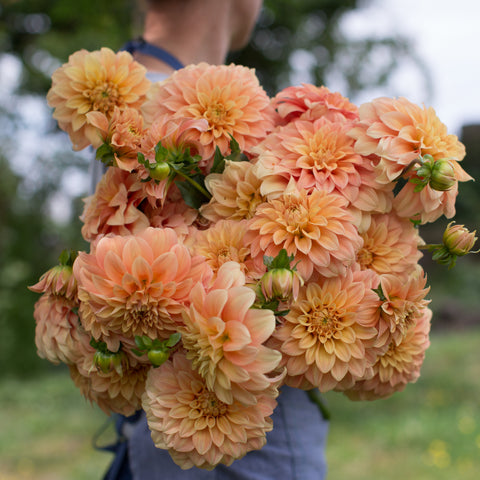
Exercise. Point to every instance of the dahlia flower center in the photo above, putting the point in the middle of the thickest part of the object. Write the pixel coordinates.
(406, 315)
(296, 218)
(217, 115)
(323, 322)
(322, 156)
(365, 258)
(103, 97)
(389, 358)
(249, 204)
(224, 254)
(208, 403)
(141, 318)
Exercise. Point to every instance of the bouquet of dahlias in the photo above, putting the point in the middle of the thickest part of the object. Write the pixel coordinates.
(239, 243)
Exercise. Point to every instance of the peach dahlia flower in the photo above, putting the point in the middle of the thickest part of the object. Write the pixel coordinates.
(313, 102)
(224, 336)
(398, 132)
(174, 214)
(229, 97)
(223, 242)
(323, 338)
(113, 208)
(57, 325)
(57, 329)
(136, 285)
(399, 365)
(194, 425)
(404, 302)
(318, 155)
(58, 281)
(111, 391)
(94, 81)
(124, 132)
(390, 245)
(235, 192)
(425, 206)
(314, 227)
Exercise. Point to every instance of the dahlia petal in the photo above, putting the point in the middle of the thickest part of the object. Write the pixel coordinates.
(238, 336)
(324, 361)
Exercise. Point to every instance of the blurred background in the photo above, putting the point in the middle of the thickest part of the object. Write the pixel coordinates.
(426, 51)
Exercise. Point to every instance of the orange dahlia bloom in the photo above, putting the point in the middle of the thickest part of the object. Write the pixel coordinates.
(399, 132)
(94, 81)
(425, 206)
(229, 97)
(400, 364)
(124, 132)
(194, 425)
(324, 337)
(235, 192)
(318, 155)
(315, 227)
(223, 337)
(113, 208)
(136, 285)
(57, 330)
(390, 245)
(175, 133)
(404, 302)
(58, 281)
(224, 242)
(111, 391)
(313, 102)
(373, 197)
(174, 213)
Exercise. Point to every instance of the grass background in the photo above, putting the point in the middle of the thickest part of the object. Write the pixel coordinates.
(429, 431)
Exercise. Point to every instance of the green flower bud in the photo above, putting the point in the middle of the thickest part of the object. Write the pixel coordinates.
(442, 176)
(160, 171)
(458, 240)
(107, 361)
(158, 356)
(280, 284)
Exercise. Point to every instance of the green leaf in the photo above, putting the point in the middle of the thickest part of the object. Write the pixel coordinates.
(218, 162)
(161, 153)
(105, 154)
(138, 353)
(173, 339)
(192, 197)
(67, 257)
(282, 260)
(236, 154)
(379, 292)
(142, 160)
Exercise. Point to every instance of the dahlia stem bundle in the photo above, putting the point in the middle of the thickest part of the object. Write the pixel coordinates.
(239, 243)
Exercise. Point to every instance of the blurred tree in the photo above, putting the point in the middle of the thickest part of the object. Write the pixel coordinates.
(29, 245)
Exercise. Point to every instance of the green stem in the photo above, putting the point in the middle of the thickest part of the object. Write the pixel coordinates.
(195, 184)
(429, 246)
(316, 398)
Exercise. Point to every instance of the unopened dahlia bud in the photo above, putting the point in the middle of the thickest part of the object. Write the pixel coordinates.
(59, 280)
(107, 361)
(438, 174)
(458, 240)
(281, 284)
(442, 175)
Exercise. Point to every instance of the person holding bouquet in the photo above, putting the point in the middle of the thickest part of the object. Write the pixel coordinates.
(178, 33)
(246, 252)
